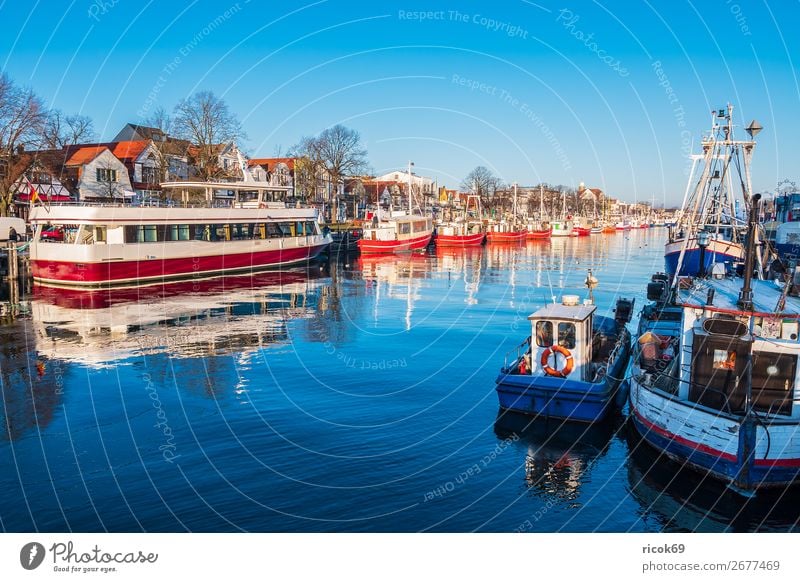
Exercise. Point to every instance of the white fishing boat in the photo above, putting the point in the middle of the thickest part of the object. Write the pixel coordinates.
(715, 378)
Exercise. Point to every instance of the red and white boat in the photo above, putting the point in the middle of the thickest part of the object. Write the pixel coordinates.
(505, 232)
(460, 234)
(466, 230)
(581, 230)
(539, 231)
(105, 246)
(542, 228)
(403, 233)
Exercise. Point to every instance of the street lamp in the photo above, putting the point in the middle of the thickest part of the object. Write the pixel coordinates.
(702, 242)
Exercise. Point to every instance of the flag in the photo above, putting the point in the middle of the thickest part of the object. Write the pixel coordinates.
(34, 196)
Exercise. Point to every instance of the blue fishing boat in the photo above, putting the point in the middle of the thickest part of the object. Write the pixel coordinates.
(710, 226)
(571, 365)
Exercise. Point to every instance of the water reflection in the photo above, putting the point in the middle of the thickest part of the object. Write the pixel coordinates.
(462, 265)
(677, 499)
(190, 320)
(560, 455)
(32, 384)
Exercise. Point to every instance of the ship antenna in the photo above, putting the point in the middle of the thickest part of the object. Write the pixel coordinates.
(746, 295)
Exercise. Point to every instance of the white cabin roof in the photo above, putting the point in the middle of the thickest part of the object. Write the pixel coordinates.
(563, 312)
(726, 295)
(163, 215)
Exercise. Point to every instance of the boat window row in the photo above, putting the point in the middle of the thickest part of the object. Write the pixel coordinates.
(415, 227)
(90, 234)
(218, 232)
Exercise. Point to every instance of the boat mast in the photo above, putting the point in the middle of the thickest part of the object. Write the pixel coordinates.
(410, 204)
(541, 203)
(515, 203)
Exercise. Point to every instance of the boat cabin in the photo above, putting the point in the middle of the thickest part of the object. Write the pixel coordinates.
(398, 228)
(226, 194)
(561, 336)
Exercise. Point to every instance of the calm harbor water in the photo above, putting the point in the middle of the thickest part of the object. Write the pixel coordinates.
(351, 396)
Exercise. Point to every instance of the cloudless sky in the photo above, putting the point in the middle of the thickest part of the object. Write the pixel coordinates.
(512, 85)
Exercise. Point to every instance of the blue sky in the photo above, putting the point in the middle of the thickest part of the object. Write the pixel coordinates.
(518, 86)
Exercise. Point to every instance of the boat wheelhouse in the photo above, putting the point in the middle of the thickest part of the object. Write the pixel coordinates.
(460, 234)
(561, 228)
(571, 365)
(101, 246)
(505, 232)
(400, 233)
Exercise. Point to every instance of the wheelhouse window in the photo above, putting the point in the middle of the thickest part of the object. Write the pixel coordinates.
(773, 382)
(311, 227)
(566, 335)
(405, 228)
(544, 334)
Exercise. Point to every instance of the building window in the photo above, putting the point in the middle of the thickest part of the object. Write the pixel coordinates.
(106, 175)
(149, 175)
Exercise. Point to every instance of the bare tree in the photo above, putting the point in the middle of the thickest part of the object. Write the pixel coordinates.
(22, 120)
(309, 169)
(160, 119)
(482, 182)
(205, 120)
(64, 130)
(335, 153)
(341, 151)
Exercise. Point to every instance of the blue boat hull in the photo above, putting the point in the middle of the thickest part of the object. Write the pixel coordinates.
(691, 261)
(788, 250)
(562, 398)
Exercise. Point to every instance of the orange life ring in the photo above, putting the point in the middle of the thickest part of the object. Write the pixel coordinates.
(568, 361)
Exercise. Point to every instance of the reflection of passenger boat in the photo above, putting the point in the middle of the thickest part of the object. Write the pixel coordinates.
(233, 314)
(594, 351)
(715, 375)
(119, 246)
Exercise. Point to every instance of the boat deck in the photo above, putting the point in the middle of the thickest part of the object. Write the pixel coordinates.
(766, 295)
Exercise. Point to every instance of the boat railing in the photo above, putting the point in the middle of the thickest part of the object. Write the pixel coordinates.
(519, 351)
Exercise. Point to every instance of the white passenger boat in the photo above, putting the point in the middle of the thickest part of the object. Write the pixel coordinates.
(250, 228)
